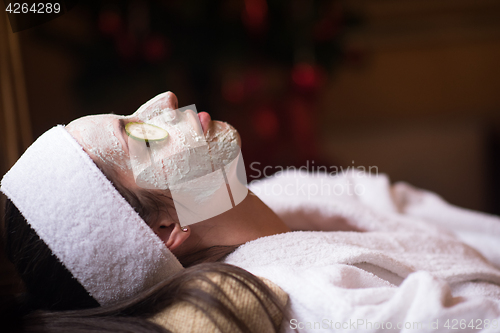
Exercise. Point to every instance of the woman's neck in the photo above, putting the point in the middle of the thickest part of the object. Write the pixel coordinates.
(249, 220)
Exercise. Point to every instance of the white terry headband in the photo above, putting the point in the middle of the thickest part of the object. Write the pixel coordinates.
(85, 222)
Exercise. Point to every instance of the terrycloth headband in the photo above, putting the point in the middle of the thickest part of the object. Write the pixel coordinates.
(83, 219)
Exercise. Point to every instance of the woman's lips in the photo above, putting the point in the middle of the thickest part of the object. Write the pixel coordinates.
(205, 121)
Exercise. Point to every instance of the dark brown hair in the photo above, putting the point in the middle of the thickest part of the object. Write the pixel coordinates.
(55, 301)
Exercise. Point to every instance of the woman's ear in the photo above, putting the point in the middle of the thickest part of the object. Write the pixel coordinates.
(172, 234)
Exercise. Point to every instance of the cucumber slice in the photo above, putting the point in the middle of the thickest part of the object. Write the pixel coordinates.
(145, 132)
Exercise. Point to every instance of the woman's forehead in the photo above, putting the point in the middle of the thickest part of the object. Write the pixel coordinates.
(93, 120)
(99, 136)
(163, 101)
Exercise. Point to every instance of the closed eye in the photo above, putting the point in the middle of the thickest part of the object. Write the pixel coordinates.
(123, 134)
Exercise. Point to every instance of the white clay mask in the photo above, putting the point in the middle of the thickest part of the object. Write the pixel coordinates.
(205, 175)
(100, 136)
(163, 148)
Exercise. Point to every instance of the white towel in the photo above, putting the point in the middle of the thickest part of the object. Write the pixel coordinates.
(479, 230)
(84, 221)
(406, 271)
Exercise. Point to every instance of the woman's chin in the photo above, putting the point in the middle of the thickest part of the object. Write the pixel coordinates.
(219, 131)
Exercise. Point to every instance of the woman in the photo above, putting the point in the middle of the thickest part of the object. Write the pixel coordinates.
(78, 244)
(331, 278)
(400, 270)
(107, 143)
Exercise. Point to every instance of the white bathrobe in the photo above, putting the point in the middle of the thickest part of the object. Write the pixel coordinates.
(399, 263)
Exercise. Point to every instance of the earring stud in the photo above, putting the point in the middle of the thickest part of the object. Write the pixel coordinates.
(185, 229)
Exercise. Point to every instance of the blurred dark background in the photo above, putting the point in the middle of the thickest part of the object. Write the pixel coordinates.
(409, 86)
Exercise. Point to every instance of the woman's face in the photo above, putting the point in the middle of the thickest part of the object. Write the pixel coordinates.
(104, 138)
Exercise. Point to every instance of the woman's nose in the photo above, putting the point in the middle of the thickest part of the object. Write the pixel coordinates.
(174, 103)
(164, 101)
